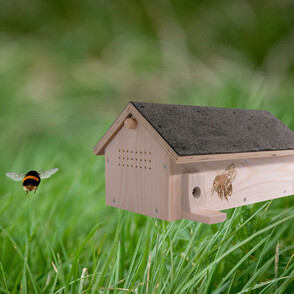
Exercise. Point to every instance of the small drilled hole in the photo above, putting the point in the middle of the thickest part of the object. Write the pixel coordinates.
(150, 168)
(196, 192)
(127, 165)
(119, 164)
(127, 158)
(140, 166)
(131, 166)
(140, 152)
(123, 165)
(131, 151)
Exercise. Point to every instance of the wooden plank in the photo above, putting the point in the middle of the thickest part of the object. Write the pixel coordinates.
(205, 216)
(256, 180)
(232, 156)
(137, 177)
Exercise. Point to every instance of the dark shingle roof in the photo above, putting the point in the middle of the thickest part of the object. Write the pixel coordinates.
(200, 130)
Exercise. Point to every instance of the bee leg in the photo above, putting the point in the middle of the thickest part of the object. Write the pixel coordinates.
(223, 193)
(219, 192)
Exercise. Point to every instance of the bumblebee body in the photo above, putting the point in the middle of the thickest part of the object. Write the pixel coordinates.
(32, 179)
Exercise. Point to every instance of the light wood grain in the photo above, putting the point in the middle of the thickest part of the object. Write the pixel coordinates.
(136, 173)
(257, 180)
(205, 216)
(232, 156)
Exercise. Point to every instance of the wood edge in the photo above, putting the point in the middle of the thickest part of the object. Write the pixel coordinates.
(232, 156)
(205, 216)
(99, 148)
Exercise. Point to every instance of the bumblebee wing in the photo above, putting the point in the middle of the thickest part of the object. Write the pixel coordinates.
(230, 172)
(48, 173)
(15, 176)
(233, 175)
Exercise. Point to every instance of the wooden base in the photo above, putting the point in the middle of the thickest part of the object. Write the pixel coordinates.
(205, 216)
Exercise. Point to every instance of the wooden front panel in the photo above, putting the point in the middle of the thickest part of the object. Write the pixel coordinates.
(136, 173)
(227, 184)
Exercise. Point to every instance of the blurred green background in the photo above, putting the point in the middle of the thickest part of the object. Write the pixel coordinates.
(67, 68)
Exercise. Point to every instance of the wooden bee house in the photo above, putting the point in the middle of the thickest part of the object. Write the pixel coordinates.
(176, 161)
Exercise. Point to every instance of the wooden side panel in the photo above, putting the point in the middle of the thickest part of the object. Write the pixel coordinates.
(175, 190)
(137, 175)
(251, 181)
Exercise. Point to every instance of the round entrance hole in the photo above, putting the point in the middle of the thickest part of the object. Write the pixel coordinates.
(196, 192)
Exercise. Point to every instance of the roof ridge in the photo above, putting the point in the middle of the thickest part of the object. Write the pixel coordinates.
(199, 106)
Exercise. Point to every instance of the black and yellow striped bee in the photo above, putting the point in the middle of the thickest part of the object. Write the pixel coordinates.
(32, 179)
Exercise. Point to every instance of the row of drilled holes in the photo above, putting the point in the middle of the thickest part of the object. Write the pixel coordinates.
(123, 155)
(136, 159)
(134, 166)
(135, 152)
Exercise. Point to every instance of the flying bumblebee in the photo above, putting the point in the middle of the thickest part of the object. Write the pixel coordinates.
(32, 179)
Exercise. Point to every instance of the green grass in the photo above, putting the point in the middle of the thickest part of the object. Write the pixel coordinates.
(67, 70)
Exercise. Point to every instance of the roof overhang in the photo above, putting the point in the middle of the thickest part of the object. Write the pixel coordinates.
(131, 111)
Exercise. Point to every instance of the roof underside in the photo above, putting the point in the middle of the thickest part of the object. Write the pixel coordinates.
(200, 130)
